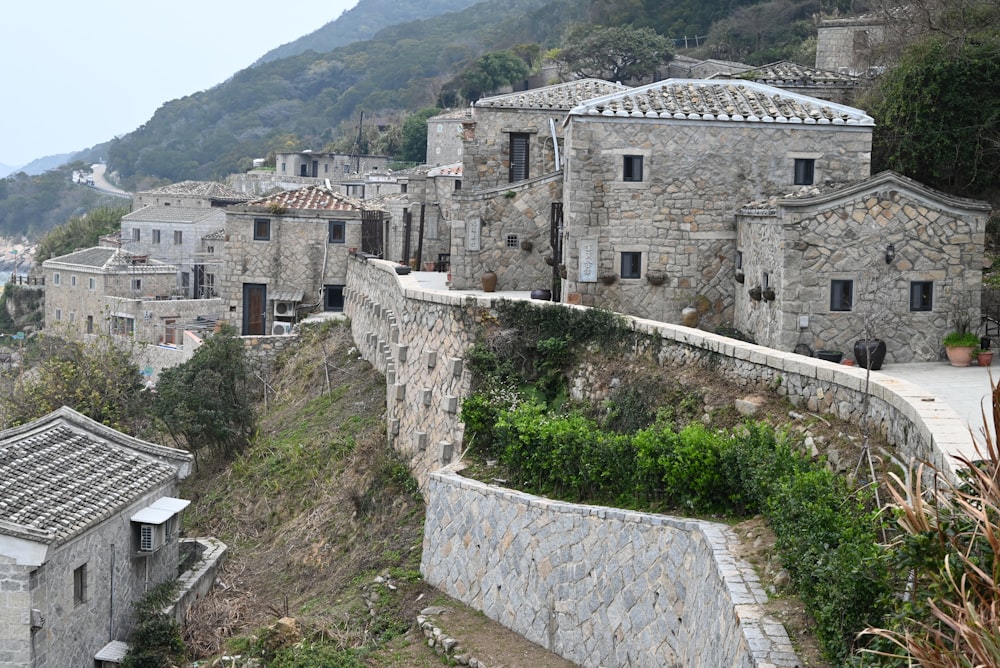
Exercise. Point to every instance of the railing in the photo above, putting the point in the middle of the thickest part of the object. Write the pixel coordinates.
(18, 279)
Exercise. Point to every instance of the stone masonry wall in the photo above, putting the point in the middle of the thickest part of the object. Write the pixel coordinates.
(689, 237)
(418, 340)
(15, 610)
(600, 586)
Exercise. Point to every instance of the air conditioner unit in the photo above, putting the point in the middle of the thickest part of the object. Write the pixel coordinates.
(281, 328)
(284, 309)
(151, 537)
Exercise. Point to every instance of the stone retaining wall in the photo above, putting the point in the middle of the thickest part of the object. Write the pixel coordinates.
(596, 585)
(599, 586)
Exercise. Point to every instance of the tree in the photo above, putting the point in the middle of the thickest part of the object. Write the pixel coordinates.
(205, 403)
(937, 115)
(80, 232)
(414, 144)
(491, 72)
(615, 53)
(98, 379)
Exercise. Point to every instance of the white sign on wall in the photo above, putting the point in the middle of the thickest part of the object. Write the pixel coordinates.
(472, 230)
(588, 261)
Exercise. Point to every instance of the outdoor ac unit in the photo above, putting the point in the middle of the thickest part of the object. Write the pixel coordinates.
(284, 309)
(281, 328)
(151, 537)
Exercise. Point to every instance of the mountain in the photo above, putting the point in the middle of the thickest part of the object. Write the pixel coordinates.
(361, 22)
(40, 165)
(6, 170)
(299, 102)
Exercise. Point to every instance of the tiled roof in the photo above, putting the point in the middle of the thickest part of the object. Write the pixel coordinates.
(218, 235)
(207, 189)
(452, 115)
(106, 258)
(454, 169)
(174, 215)
(721, 100)
(62, 474)
(314, 198)
(559, 97)
(786, 73)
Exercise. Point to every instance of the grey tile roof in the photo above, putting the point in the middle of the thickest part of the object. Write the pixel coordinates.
(207, 189)
(311, 198)
(452, 115)
(175, 215)
(786, 73)
(559, 97)
(722, 100)
(107, 259)
(64, 473)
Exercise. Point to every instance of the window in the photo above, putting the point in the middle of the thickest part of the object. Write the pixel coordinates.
(72, 316)
(178, 237)
(136, 284)
(512, 241)
(156, 236)
(56, 279)
(402, 187)
(631, 264)
(211, 249)
(122, 325)
(90, 324)
(518, 156)
(58, 314)
(337, 232)
(170, 332)
(805, 169)
(632, 168)
(282, 168)
(841, 295)
(80, 585)
(91, 283)
(261, 229)
(209, 286)
(739, 260)
(72, 280)
(922, 296)
(333, 298)
(458, 185)
(326, 168)
(136, 236)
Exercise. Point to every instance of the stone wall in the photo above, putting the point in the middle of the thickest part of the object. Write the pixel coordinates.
(845, 45)
(418, 341)
(680, 216)
(502, 219)
(486, 150)
(560, 574)
(15, 615)
(600, 586)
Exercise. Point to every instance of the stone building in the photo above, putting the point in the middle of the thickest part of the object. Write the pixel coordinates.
(655, 174)
(836, 87)
(168, 224)
(88, 524)
(511, 195)
(333, 166)
(883, 258)
(285, 255)
(846, 45)
(444, 137)
(78, 287)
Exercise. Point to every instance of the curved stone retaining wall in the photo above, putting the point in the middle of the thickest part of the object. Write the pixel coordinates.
(596, 585)
(599, 586)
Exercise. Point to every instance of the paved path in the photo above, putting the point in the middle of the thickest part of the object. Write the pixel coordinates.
(965, 389)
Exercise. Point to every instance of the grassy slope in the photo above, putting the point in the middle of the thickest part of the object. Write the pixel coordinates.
(315, 510)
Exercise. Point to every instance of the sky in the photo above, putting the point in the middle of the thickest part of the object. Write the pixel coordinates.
(79, 73)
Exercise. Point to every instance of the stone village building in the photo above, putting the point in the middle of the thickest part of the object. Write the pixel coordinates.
(169, 224)
(89, 523)
(285, 255)
(628, 200)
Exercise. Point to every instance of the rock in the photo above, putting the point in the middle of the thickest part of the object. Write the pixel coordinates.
(749, 405)
(781, 579)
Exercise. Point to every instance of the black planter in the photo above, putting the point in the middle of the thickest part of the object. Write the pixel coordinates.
(830, 355)
(869, 353)
(545, 295)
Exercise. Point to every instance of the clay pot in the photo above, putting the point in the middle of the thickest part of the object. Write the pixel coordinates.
(489, 281)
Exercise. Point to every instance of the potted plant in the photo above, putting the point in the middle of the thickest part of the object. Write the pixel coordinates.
(958, 345)
(984, 357)
(870, 353)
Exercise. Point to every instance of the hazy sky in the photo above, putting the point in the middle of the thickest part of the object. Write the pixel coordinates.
(78, 73)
